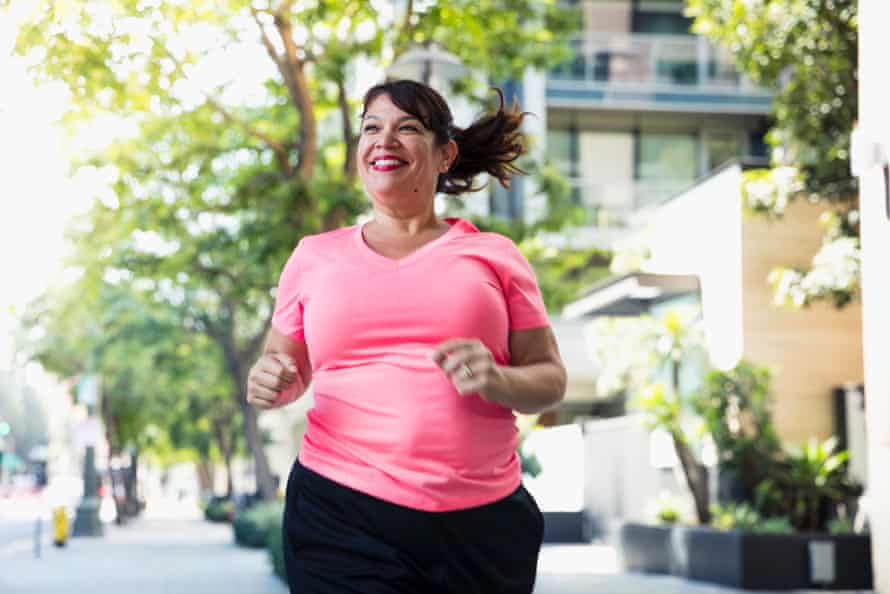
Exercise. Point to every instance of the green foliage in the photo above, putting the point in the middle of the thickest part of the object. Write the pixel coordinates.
(805, 52)
(814, 482)
(220, 510)
(253, 526)
(840, 526)
(675, 342)
(735, 406)
(745, 518)
(275, 545)
(803, 485)
(529, 463)
(668, 509)
(564, 273)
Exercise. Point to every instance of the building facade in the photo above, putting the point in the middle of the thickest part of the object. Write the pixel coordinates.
(642, 110)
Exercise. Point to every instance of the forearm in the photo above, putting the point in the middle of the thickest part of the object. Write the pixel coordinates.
(530, 389)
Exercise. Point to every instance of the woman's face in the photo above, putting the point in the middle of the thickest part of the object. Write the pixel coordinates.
(398, 158)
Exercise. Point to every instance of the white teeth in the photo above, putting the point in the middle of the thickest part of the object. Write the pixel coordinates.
(385, 162)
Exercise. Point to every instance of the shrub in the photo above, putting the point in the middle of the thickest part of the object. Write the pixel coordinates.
(276, 553)
(667, 508)
(253, 526)
(220, 510)
(745, 518)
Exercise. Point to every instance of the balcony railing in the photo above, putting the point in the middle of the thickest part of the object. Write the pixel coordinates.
(654, 68)
(623, 204)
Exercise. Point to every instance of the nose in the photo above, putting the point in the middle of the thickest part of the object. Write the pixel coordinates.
(387, 137)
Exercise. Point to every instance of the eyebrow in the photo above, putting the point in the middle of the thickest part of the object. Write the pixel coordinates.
(401, 119)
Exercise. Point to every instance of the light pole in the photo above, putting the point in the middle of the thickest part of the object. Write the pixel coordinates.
(429, 63)
(86, 520)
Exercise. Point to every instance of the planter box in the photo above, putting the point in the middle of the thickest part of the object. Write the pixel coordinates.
(747, 560)
(565, 527)
(740, 559)
(644, 547)
(839, 562)
(773, 561)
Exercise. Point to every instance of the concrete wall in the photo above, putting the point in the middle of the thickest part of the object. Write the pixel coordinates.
(810, 351)
(621, 479)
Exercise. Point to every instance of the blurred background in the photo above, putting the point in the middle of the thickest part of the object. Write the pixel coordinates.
(691, 211)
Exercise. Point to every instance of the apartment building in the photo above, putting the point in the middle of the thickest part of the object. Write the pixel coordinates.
(642, 110)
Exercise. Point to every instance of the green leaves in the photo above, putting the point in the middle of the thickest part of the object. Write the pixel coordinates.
(805, 51)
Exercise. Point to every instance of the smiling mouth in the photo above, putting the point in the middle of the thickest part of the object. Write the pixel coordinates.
(386, 164)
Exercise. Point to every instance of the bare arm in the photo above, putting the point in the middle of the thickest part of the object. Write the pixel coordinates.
(282, 373)
(534, 381)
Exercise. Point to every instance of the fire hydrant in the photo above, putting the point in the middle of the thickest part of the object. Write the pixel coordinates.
(60, 526)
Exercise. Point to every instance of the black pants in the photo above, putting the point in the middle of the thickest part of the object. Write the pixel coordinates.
(338, 540)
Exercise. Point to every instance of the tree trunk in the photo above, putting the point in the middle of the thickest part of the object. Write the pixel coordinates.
(114, 451)
(230, 480)
(204, 470)
(226, 444)
(264, 481)
(695, 479)
(132, 506)
(238, 364)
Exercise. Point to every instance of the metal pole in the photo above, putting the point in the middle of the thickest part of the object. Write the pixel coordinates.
(38, 536)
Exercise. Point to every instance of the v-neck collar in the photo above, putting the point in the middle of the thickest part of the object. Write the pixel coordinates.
(458, 226)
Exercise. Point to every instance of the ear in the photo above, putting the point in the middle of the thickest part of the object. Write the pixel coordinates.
(449, 156)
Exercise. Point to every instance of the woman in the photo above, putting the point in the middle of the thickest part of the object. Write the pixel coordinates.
(422, 336)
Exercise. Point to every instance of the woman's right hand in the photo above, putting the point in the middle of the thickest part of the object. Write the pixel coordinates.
(274, 381)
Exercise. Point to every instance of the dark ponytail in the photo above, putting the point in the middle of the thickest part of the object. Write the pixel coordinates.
(490, 145)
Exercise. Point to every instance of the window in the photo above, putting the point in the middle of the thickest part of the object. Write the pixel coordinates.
(661, 17)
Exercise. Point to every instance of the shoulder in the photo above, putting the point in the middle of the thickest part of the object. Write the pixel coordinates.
(327, 240)
(492, 244)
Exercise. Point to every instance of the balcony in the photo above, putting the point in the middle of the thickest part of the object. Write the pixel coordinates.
(653, 73)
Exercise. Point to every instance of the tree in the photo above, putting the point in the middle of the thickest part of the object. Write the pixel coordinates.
(676, 342)
(805, 52)
(221, 179)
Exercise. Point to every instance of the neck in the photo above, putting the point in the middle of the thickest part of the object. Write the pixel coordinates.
(400, 223)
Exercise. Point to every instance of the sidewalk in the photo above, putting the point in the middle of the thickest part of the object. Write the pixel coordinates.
(156, 555)
(177, 554)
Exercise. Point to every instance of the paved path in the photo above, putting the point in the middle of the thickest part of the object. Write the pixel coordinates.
(172, 553)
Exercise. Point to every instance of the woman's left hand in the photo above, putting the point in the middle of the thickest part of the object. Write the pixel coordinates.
(470, 366)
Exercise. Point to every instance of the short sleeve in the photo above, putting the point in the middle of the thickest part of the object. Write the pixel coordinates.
(288, 315)
(524, 301)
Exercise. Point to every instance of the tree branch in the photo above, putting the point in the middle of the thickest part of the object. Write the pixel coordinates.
(255, 343)
(295, 80)
(267, 43)
(280, 150)
(350, 167)
(407, 27)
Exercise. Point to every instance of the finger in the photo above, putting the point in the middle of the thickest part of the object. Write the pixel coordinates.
(273, 381)
(457, 359)
(441, 351)
(258, 395)
(286, 361)
(465, 387)
(274, 365)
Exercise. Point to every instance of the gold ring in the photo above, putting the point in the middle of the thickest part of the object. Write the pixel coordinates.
(466, 369)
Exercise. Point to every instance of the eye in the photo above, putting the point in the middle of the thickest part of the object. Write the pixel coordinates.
(409, 128)
(370, 128)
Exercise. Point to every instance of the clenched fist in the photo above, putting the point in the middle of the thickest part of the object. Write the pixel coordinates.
(274, 381)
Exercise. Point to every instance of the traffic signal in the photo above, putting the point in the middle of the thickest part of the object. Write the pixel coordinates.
(4, 428)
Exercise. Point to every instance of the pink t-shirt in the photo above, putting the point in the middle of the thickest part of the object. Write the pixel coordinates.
(387, 421)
